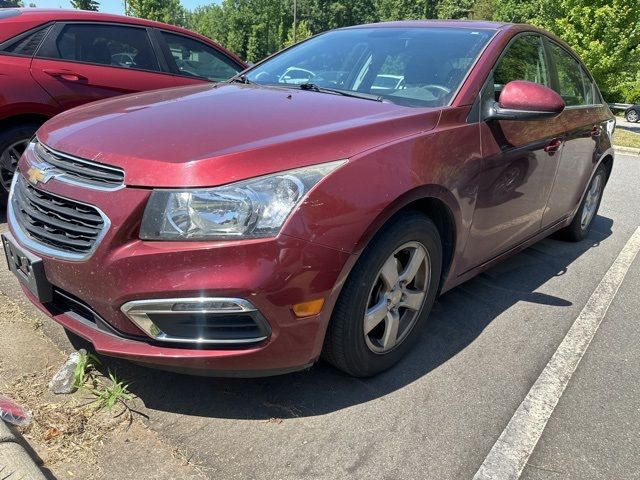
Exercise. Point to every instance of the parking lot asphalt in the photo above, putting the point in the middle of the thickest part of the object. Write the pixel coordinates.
(437, 414)
(624, 125)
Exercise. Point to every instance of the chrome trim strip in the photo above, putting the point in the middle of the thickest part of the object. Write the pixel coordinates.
(70, 180)
(137, 311)
(41, 248)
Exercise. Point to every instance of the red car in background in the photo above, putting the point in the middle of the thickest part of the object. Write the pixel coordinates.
(53, 60)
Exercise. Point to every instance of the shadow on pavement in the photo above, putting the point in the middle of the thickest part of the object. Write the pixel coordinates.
(457, 320)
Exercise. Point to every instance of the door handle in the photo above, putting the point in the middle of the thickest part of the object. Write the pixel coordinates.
(595, 132)
(553, 146)
(65, 75)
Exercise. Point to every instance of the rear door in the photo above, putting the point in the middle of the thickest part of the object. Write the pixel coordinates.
(584, 121)
(81, 62)
(519, 159)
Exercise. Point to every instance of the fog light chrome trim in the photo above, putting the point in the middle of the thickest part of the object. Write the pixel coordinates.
(138, 312)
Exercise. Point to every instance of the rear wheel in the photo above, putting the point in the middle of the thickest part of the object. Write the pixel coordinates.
(580, 226)
(632, 115)
(387, 297)
(13, 142)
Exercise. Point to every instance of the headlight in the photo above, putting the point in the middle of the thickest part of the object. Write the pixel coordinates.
(249, 209)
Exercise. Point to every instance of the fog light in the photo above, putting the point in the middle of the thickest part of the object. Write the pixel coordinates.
(201, 321)
(308, 309)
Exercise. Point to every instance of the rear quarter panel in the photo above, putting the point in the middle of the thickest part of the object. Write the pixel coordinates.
(19, 93)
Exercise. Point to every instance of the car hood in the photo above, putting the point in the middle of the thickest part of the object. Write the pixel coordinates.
(211, 135)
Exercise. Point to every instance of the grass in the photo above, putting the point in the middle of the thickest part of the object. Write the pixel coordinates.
(624, 138)
(107, 393)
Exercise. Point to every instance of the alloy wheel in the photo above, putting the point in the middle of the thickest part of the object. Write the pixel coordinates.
(632, 116)
(397, 297)
(9, 162)
(591, 202)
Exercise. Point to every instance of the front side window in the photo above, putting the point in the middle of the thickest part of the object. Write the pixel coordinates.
(572, 85)
(110, 45)
(523, 60)
(195, 59)
(415, 67)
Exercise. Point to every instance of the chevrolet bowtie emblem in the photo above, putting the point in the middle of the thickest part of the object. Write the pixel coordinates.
(37, 175)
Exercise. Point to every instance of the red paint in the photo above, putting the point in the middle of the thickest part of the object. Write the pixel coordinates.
(495, 179)
(523, 95)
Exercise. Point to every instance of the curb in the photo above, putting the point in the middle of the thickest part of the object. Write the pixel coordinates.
(626, 150)
(15, 462)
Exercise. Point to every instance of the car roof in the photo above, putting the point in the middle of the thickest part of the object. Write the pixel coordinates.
(473, 24)
(43, 15)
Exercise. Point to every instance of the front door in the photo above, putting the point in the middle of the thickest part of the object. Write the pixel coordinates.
(519, 160)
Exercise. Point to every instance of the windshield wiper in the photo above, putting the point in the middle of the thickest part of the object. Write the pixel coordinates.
(312, 87)
(241, 79)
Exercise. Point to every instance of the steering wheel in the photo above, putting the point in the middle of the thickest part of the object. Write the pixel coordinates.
(443, 90)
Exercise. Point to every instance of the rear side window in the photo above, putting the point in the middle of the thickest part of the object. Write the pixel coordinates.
(26, 45)
(523, 60)
(573, 84)
(195, 59)
(110, 45)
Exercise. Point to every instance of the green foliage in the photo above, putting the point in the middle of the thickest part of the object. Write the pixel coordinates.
(11, 3)
(107, 396)
(604, 33)
(85, 5)
(84, 369)
(167, 11)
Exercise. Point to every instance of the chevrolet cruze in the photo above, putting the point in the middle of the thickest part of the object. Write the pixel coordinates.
(308, 207)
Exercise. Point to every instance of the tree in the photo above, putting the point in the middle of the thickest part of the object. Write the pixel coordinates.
(604, 33)
(167, 11)
(11, 3)
(302, 33)
(455, 9)
(85, 4)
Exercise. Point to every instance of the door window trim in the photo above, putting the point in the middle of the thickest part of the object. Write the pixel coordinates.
(54, 33)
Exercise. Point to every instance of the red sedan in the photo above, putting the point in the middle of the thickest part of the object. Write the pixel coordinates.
(309, 206)
(52, 60)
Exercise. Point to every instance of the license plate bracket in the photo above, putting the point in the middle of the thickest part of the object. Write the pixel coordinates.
(28, 268)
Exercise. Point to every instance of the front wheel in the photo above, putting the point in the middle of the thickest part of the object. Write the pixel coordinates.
(632, 116)
(387, 297)
(13, 142)
(580, 226)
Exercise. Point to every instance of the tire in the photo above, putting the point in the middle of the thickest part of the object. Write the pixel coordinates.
(578, 229)
(13, 140)
(632, 115)
(405, 238)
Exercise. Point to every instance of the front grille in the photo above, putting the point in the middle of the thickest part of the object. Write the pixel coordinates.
(56, 222)
(79, 171)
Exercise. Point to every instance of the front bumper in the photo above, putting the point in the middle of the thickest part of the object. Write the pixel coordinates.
(272, 274)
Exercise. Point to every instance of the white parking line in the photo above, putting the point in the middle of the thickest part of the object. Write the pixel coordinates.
(512, 450)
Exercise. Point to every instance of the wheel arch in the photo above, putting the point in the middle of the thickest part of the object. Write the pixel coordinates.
(607, 162)
(435, 202)
(24, 118)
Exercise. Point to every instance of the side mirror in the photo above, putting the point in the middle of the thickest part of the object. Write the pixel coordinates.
(522, 100)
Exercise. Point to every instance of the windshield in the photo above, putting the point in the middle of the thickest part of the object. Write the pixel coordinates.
(415, 67)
